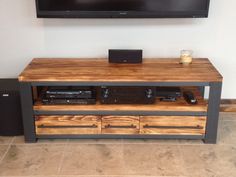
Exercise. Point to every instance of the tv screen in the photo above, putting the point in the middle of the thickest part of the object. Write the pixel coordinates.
(122, 8)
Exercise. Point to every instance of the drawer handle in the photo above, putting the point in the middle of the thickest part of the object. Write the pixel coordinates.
(68, 126)
(117, 126)
(198, 127)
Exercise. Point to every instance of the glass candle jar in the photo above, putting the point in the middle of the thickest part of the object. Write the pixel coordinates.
(186, 56)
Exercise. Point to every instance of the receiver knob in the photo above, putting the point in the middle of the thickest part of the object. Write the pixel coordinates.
(149, 93)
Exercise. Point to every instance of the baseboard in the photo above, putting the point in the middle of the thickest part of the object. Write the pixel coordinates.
(228, 105)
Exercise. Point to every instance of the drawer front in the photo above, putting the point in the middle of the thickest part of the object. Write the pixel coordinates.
(68, 124)
(173, 125)
(120, 125)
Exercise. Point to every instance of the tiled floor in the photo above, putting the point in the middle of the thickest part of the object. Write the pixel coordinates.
(122, 158)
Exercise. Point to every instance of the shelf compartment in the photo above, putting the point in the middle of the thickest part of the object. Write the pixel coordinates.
(172, 125)
(179, 106)
(67, 124)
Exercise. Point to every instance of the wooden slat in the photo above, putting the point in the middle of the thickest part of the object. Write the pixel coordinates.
(99, 70)
(120, 125)
(61, 125)
(172, 125)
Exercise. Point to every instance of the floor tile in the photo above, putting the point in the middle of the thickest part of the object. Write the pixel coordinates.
(3, 149)
(95, 141)
(93, 159)
(150, 141)
(5, 139)
(25, 160)
(20, 140)
(228, 116)
(196, 142)
(227, 133)
(153, 159)
(209, 160)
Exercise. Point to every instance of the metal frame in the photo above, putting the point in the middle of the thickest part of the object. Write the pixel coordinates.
(120, 83)
(212, 113)
(27, 112)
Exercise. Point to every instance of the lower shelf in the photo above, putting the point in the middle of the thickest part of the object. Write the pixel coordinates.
(119, 125)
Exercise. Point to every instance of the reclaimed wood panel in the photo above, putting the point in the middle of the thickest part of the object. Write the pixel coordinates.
(68, 124)
(173, 125)
(120, 125)
(99, 70)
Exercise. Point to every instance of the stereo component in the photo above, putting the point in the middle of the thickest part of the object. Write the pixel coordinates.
(125, 56)
(168, 92)
(82, 101)
(68, 95)
(127, 95)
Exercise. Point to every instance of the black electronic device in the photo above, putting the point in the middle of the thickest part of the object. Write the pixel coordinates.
(69, 92)
(68, 95)
(168, 92)
(61, 101)
(189, 97)
(122, 8)
(11, 123)
(127, 95)
(168, 99)
(125, 56)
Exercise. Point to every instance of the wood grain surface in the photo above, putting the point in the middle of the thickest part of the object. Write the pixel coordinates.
(183, 125)
(67, 124)
(99, 70)
(120, 125)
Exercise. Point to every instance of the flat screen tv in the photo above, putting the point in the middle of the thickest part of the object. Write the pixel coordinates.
(122, 8)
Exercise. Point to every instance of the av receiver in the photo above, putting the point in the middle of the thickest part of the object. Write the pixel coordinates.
(127, 95)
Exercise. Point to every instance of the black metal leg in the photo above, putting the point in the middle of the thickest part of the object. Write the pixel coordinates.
(213, 112)
(27, 112)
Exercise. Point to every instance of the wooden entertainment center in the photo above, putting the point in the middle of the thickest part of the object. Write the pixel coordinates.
(159, 120)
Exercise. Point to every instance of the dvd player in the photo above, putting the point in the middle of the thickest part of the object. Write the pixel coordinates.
(69, 92)
(82, 101)
(68, 95)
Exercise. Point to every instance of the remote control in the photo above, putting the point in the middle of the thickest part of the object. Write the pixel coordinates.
(189, 97)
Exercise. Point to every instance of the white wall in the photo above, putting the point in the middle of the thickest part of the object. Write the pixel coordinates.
(23, 37)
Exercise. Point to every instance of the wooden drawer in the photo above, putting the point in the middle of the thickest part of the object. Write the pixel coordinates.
(120, 124)
(68, 124)
(173, 125)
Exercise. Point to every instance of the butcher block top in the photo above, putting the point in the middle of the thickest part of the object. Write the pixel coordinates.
(99, 70)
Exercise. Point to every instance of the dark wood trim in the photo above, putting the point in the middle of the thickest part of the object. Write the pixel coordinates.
(228, 105)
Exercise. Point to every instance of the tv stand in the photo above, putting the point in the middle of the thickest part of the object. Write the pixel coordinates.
(160, 120)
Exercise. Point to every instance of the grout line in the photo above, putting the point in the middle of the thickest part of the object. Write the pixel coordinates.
(62, 158)
(8, 147)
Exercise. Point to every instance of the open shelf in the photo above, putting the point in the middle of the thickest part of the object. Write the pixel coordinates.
(179, 105)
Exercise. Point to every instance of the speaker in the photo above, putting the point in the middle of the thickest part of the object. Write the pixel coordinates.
(11, 123)
(125, 56)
